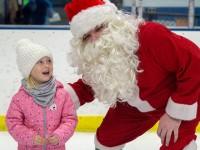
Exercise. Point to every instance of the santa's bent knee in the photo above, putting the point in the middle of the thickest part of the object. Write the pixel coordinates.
(99, 146)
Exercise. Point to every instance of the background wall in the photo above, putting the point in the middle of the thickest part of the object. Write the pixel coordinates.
(162, 3)
(57, 40)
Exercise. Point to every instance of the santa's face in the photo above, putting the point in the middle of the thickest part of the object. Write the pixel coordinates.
(94, 34)
(105, 56)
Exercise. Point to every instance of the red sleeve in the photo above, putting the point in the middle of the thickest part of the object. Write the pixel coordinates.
(181, 57)
(80, 92)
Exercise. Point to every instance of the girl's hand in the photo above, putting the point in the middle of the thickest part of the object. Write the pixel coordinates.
(38, 140)
(167, 126)
(53, 140)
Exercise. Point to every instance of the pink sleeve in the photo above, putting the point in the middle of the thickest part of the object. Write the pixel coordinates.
(68, 121)
(15, 125)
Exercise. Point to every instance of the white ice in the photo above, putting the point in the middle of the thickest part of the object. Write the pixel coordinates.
(84, 141)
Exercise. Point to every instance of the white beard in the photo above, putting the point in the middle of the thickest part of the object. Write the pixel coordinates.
(109, 65)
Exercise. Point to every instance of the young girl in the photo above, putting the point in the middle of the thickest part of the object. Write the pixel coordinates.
(41, 115)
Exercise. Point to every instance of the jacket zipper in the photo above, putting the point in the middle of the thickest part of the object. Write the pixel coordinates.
(45, 122)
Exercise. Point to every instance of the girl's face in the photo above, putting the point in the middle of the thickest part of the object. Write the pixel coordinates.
(42, 70)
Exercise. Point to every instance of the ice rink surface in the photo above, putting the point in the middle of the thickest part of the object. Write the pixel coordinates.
(84, 141)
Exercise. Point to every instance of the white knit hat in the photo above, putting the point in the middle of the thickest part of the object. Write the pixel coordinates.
(85, 15)
(28, 54)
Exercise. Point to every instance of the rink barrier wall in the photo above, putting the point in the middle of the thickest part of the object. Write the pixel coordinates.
(85, 124)
(10, 34)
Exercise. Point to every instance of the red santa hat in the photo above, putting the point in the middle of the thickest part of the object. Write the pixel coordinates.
(85, 15)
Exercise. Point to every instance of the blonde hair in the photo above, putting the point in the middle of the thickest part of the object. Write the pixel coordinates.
(31, 83)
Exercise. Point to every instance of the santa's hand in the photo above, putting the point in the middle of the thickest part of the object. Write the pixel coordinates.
(167, 126)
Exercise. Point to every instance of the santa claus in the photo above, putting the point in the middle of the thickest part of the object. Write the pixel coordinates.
(143, 70)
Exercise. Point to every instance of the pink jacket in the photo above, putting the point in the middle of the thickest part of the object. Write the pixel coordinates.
(25, 119)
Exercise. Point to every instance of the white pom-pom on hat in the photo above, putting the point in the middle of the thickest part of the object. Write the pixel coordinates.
(28, 53)
(23, 41)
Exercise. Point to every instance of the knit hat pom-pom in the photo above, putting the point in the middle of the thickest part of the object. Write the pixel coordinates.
(23, 42)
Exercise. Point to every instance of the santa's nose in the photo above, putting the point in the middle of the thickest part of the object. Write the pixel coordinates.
(94, 36)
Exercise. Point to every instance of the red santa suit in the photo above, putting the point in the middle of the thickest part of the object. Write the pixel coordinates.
(169, 83)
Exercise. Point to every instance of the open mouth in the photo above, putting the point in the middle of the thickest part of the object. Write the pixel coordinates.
(45, 73)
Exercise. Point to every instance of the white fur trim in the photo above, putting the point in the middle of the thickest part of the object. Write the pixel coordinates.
(191, 146)
(73, 95)
(101, 147)
(141, 105)
(88, 19)
(181, 111)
